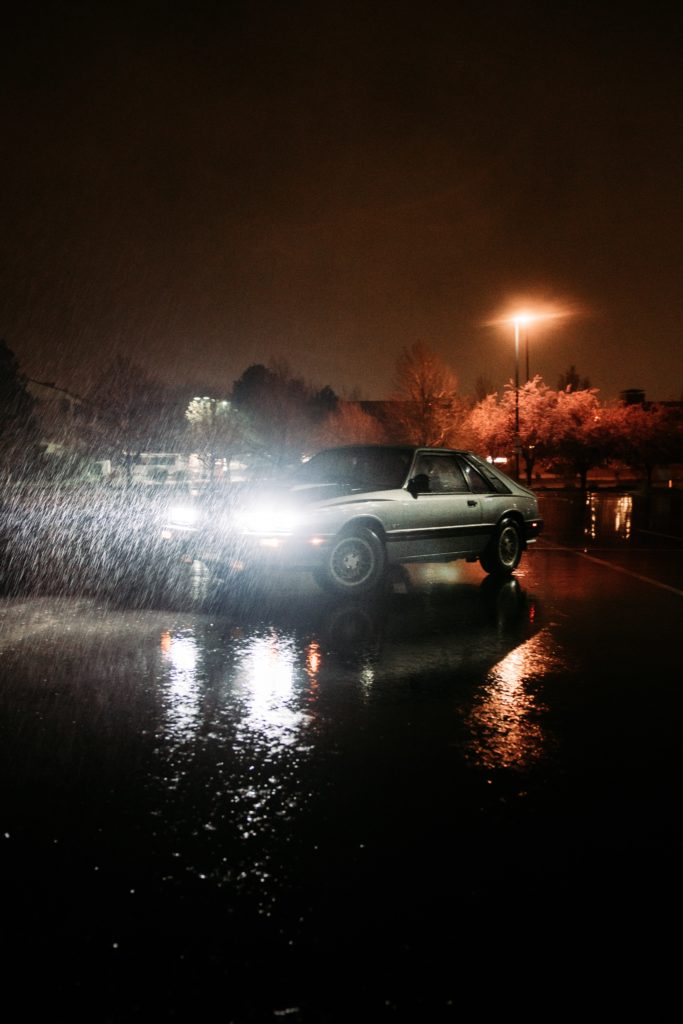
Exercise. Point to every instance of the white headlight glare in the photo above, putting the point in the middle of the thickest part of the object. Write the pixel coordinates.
(184, 515)
(227, 521)
(267, 520)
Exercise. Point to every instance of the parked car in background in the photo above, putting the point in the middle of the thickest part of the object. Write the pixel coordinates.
(348, 513)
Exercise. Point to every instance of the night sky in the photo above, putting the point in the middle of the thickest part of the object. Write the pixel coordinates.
(203, 186)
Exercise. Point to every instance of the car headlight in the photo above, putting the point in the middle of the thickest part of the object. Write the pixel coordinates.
(183, 515)
(267, 520)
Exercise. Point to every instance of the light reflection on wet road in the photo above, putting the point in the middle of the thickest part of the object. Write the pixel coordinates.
(504, 722)
(219, 784)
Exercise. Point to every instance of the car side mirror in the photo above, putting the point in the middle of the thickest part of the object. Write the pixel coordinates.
(418, 484)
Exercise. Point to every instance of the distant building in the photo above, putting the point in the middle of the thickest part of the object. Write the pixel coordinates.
(632, 396)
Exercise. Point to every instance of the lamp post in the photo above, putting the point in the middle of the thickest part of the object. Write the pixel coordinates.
(518, 321)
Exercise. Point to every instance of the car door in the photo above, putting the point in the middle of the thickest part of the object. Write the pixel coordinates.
(443, 518)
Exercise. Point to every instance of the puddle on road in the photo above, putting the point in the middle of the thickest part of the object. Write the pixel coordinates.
(219, 733)
(610, 519)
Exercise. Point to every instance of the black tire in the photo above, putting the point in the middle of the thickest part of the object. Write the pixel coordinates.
(504, 551)
(355, 563)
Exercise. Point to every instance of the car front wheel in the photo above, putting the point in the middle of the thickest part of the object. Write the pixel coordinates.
(355, 563)
(502, 554)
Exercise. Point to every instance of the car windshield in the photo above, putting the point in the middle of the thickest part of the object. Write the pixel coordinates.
(358, 469)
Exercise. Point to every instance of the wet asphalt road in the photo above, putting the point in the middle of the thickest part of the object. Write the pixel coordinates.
(296, 809)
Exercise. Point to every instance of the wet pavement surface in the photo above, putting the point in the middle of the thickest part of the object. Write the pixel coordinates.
(294, 808)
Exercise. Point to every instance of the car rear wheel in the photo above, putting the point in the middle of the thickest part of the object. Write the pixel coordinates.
(502, 554)
(355, 563)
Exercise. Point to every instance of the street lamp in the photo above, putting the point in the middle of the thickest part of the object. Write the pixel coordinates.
(521, 319)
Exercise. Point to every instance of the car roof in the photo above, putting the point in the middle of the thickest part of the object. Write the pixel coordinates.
(393, 447)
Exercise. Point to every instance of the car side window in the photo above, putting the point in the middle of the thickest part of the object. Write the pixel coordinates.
(443, 472)
(477, 482)
(493, 484)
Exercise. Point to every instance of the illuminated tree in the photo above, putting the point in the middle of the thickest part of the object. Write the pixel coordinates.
(581, 436)
(573, 432)
(537, 409)
(427, 407)
(646, 436)
(490, 426)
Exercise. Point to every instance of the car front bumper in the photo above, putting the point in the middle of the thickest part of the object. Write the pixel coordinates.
(242, 551)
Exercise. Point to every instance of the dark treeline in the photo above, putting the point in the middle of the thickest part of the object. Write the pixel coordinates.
(271, 416)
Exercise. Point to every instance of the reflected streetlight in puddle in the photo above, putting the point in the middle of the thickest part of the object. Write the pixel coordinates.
(313, 662)
(505, 732)
(608, 516)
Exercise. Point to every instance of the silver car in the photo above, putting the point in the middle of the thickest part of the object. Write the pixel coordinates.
(348, 513)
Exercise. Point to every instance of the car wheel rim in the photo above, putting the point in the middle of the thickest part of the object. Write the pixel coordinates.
(352, 561)
(508, 546)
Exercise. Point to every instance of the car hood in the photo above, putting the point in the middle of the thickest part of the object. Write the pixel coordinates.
(297, 495)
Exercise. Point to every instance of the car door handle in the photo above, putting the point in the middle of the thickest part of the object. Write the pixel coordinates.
(471, 504)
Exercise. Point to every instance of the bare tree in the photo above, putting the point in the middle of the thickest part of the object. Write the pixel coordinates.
(284, 411)
(129, 414)
(571, 381)
(483, 386)
(427, 408)
(217, 430)
(349, 424)
(18, 433)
